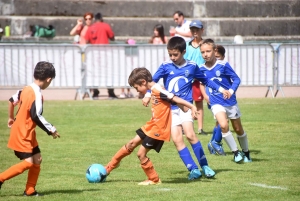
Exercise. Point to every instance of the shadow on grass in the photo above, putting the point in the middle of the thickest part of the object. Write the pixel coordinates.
(49, 192)
(67, 191)
(252, 152)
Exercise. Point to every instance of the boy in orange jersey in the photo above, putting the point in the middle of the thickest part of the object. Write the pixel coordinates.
(153, 134)
(22, 135)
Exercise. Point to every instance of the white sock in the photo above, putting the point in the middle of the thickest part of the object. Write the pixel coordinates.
(230, 141)
(243, 140)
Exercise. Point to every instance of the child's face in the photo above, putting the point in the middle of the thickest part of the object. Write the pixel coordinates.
(176, 56)
(196, 32)
(219, 56)
(141, 88)
(207, 52)
(155, 32)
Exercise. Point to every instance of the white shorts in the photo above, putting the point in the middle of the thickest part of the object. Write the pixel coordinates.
(232, 112)
(179, 116)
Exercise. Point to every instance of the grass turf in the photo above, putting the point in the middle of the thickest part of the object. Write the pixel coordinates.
(92, 131)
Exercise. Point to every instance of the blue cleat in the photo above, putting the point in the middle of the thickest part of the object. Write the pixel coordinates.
(210, 148)
(218, 148)
(247, 158)
(238, 156)
(194, 174)
(209, 173)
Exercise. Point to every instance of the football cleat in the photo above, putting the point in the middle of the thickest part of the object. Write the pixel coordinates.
(218, 148)
(209, 173)
(194, 174)
(149, 182)
(247, 158)
(202, 132)
(1, 184)
(210, 148)
(238, 156)
(32, 194)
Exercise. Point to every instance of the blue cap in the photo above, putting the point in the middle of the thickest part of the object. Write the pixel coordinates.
(196, 23)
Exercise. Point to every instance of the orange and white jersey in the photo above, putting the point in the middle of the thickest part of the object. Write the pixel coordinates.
(159, 127)
(22, 135)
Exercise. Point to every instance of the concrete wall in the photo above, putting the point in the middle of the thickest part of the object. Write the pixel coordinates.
(137, 18)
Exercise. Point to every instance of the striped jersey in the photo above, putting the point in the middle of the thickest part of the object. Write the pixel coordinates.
(222, 74)
(22, 135)
(159, 126)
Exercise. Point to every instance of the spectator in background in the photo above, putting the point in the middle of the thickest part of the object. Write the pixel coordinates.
(158, 35)
(100, 33)
(80, 29)
(182, 29)
(193, 53)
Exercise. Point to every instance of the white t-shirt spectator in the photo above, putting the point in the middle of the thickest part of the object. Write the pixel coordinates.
(184, 28)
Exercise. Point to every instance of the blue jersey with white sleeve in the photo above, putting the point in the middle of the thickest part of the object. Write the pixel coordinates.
(178, 79)
(222, 74)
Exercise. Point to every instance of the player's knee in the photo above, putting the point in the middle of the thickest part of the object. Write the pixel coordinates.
(130, 145)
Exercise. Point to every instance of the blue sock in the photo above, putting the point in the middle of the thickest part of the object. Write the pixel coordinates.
(187, 159)
(213, 134)
(218, 134)
(198, 150)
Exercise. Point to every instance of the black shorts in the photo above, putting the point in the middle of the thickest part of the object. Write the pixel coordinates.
(24, 155)
(149, 142)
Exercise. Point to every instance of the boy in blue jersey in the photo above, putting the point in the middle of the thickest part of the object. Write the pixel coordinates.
(178, 75)
(222, 73)
(215, 144)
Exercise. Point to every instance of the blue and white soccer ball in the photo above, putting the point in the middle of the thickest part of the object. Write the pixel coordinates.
(96, 173)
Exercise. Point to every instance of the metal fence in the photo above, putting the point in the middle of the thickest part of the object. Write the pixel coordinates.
(108, 66)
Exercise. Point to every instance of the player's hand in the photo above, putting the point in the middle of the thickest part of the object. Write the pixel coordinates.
(194, 112)
(146, 101)
(226, 94)
(206, 98)
(10, 122)
(55, 135)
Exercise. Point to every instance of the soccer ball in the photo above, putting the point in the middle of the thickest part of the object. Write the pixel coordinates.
(96, 173)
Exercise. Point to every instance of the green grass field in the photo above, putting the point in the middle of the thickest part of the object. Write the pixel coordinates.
(92, 131)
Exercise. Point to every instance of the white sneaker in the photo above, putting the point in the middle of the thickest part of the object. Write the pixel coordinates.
(122, 95)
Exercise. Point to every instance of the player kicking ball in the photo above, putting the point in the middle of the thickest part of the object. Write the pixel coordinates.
(153, 134)
(222, 73)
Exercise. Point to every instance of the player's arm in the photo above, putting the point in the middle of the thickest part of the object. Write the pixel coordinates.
(199, 75)
(36, 116)
(12, 102)
(234, 77)
(203, 92)
(185, 106)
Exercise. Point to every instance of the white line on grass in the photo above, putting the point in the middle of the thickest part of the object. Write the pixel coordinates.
(266, 186)
(164, 189)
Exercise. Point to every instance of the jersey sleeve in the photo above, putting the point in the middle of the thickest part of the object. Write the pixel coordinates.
(159, 73)
(16, 98)
(36, 111)
(233, 76)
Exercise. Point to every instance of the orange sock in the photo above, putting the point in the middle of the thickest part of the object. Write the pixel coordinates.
(33, 175)
(116, 159)
(149, 170)
(15, 170)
